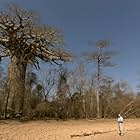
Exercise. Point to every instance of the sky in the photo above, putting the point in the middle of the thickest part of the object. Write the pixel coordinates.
(84, 21)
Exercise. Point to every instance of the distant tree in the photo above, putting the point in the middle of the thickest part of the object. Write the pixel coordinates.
(77, 81)
(62, 92)
(122, 95)
(49, 82)
(102, 59)
(62, 83)
(106, 97)
(30, 81)
(24, 40)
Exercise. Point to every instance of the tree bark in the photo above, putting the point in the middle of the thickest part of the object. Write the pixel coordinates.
(15, 87)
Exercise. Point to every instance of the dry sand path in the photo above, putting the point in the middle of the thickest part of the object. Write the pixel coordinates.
(63, 130)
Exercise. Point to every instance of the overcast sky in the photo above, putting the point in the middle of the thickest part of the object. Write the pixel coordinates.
(83, 21)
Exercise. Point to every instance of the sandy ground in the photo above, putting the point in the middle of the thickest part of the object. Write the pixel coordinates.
(69, 130)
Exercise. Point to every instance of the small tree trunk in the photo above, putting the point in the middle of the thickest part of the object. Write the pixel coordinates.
(98, 103)
(91, 105)
(14, 91)
(84, 108)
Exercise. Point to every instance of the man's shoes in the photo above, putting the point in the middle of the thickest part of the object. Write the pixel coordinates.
(121, 134)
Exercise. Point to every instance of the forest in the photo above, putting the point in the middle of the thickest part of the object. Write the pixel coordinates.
(68, 88)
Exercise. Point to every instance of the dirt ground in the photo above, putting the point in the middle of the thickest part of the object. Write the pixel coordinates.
(69, 130)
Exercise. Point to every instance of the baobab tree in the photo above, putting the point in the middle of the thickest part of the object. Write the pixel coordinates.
(24, 40)
(102, 59)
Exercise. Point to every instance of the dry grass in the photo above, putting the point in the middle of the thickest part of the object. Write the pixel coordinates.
(69, 130)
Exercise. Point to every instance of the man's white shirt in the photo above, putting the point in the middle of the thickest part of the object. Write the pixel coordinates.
(120, 119)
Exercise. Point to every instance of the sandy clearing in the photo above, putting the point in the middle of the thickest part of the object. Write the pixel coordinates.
(63, 130)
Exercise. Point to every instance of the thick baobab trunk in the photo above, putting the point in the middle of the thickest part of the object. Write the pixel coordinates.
(14, 91)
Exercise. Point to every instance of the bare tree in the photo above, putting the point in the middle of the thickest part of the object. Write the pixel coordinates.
(106, 97)
(62, 83)
(31, 81)
(62, 91)
(77, 82)
(24, 40)
(102, 59)
(49, 82)
(123, 98)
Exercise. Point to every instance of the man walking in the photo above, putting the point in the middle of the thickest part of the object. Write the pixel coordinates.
(120, 124)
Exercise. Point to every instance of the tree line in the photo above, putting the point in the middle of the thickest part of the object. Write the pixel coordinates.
(62, 93)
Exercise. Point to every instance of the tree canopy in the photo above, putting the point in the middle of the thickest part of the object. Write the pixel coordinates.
(23, 37)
